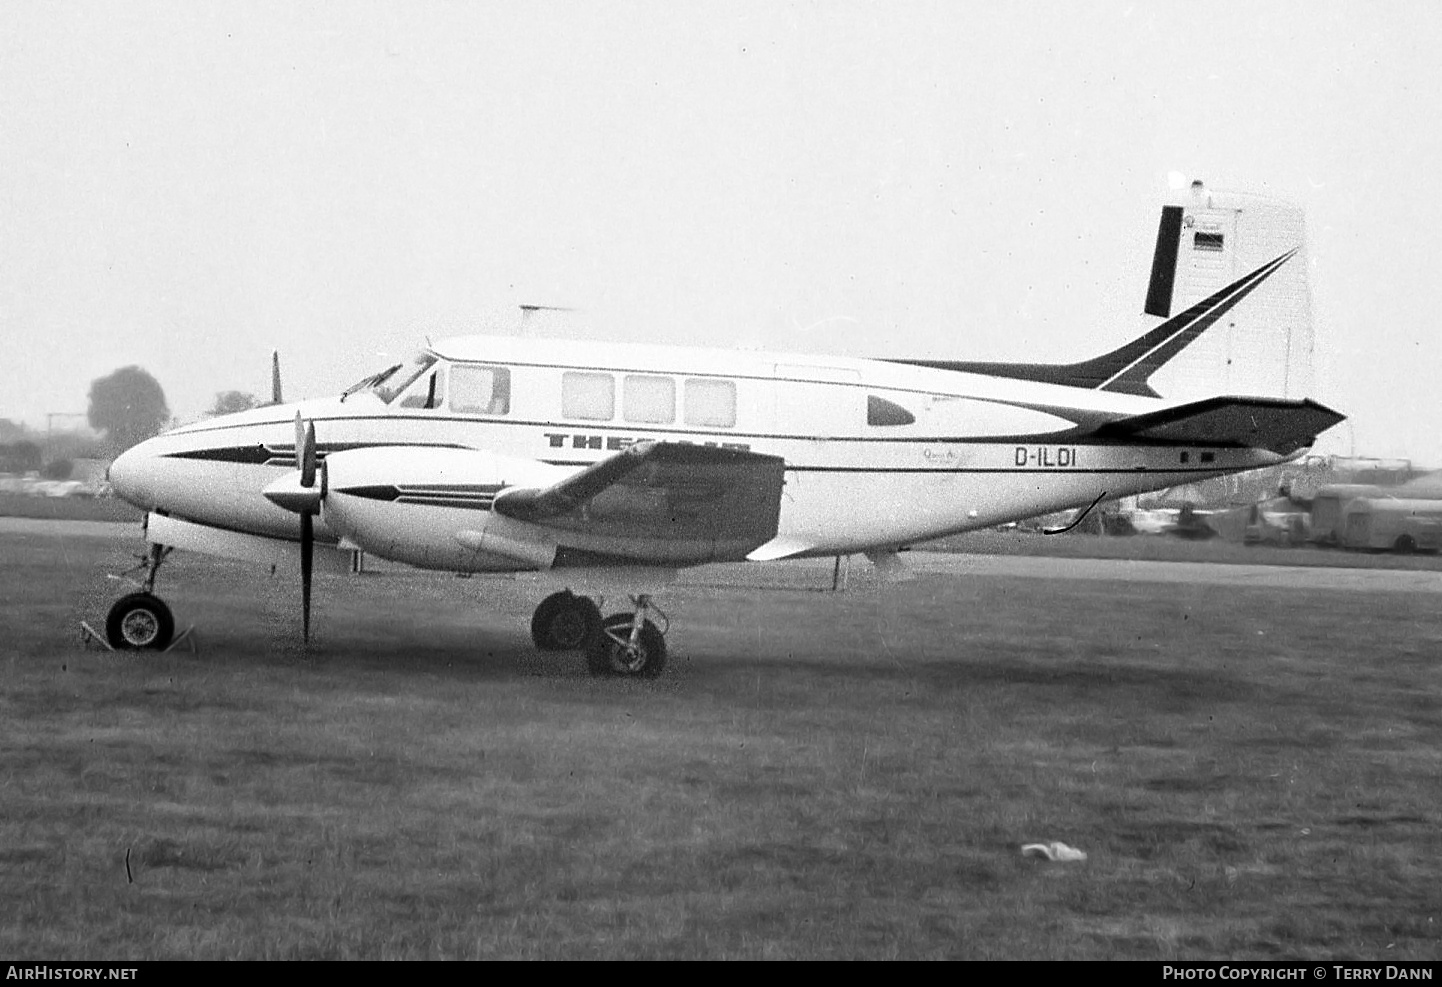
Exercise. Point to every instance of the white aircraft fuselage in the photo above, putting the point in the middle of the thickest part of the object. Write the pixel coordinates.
(877, 454)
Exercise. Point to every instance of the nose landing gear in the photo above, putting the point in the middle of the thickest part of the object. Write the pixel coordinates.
(141, 621)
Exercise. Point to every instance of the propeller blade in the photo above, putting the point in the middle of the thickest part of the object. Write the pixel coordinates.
(307, 554)
(307, 505)
(306, 452)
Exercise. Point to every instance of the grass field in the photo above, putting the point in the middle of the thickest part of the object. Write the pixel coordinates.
(1160, 548)
(69, 508)
(1253, 773)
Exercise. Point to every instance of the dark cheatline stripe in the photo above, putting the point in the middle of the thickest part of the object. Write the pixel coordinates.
(1136, 376)
(463, 503)
(259, 454)
(383, 491)
(252, 455)
(447, 489)
(472, 497)
(1164, 263)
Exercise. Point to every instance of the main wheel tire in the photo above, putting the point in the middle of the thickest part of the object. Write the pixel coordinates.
(1404, 545)
(611, 653)
(139, 622)
(565, 622)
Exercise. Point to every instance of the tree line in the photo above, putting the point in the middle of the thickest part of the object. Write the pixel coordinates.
(126, 406)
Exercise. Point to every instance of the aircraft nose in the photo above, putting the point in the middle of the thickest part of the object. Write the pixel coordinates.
(132, 475)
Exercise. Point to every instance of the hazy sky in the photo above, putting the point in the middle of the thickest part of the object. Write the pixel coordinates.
(185, 186)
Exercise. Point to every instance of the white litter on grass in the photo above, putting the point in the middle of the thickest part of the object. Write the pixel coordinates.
(1054, 850)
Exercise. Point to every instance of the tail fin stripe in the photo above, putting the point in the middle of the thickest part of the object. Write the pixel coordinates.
(1164, 263)
(1127, 369)
(1168, 339)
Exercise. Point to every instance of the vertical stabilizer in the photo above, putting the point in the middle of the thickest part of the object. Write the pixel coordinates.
(1264, 345)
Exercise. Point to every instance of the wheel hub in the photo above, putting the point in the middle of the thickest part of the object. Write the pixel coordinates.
(627, 657)
(140, 627)
(569, 628)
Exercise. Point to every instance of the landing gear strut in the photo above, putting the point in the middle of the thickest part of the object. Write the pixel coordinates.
(629, 644)
(626, 643)
(565, 622)
(141, 621)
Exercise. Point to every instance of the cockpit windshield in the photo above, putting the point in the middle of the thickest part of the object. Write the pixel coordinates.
(394, 379)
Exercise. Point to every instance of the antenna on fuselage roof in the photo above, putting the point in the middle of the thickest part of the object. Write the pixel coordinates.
(533, 316)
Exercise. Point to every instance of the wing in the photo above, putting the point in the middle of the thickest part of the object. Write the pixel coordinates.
(663, 498)
(1276, 424)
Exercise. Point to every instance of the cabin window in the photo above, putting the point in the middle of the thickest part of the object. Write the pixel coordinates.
(648, 399)
(480, 390)
(710, 402)
(880, 411)
(1208, 457)
(589, 396)
(1207, 241)
(429, 392)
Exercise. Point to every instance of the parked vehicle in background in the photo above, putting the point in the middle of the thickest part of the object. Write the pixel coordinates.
(1329, 509)
(1389, 523)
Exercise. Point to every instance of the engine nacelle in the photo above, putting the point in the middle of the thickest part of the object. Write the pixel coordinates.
(432, 507)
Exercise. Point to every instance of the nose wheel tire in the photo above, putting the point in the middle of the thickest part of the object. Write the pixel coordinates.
(565, 622)
(139, 622)
(616, 651)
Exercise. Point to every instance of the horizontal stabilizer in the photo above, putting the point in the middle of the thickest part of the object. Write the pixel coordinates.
(1275, 424)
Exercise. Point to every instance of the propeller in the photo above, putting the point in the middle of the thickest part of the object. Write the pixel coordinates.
(299, 493)
(305, 458)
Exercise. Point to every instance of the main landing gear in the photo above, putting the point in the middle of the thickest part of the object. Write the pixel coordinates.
(141, 621)
(565, 622)
(625, 644)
